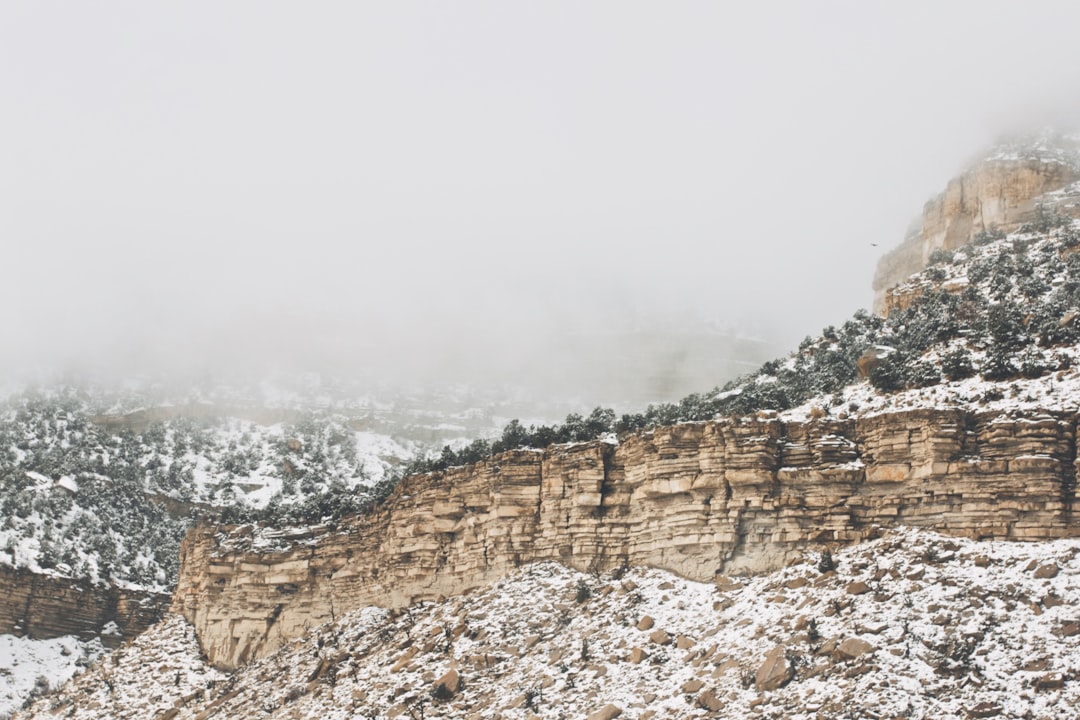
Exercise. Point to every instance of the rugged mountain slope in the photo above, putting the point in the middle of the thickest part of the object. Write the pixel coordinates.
(913, 625)
(1001, 191)
(956, 411)
(105, 496)
(98, 486)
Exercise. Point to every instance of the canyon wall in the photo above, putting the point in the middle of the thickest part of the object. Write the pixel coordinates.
(1001, 194)
(698, 499)
(43, 606)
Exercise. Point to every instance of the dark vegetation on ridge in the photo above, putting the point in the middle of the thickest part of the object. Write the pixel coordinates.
(999, 308)
(1018, 304)
(1020, 301)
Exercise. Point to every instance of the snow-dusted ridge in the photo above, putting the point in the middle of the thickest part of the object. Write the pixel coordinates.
(913, 625)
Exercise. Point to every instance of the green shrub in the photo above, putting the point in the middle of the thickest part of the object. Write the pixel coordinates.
(956, 364)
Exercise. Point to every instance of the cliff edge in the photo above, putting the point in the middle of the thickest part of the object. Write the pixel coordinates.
(1002, 191)
(698, 499)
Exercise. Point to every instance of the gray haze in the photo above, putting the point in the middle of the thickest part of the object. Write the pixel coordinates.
(405, 188)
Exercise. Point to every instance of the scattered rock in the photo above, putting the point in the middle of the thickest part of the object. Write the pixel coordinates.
(448, 685)
(637, 655)
(828, 647)
(857, 588)
(984, 710)
(726, 584)
(709, 701)
(692, 686)
(1069, 629)
(1047, 571)
(684, 643)
(774, 671)
(645, 623)
(607, 712)
(725, 667)
(660, 637)
(873, 628)
(852, 648)
(405, 659)
(1050, 681)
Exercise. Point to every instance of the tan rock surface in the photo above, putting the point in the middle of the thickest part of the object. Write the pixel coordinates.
(44, 606)
(1000, 193)
(729, 497)
(774, 670)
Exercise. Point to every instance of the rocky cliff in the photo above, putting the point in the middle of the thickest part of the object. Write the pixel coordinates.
(43, 606)
(1003, 192)
(698, 499)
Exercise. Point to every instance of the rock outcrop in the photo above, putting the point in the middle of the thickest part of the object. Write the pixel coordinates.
(44, 606)
(1001, 193)
(731, 496)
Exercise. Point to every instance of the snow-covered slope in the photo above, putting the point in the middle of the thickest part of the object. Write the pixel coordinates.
(29, 668)
(101, 483)
(913, 625)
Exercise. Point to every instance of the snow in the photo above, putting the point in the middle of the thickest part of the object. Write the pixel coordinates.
(28, 666)
(952, 622)
(1056, 393)
(41, 481)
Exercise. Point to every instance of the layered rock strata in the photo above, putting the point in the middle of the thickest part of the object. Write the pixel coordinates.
(1001, 194)
(43, 606)
(698, 499)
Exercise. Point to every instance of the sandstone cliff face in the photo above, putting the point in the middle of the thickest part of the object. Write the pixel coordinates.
(42, 606)
(998, 193)
(697, 499)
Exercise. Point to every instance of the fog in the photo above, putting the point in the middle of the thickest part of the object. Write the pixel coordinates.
(451, 190)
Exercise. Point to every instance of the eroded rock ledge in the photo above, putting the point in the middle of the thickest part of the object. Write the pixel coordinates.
(1001, 194)
(727, 496)
(44, 606)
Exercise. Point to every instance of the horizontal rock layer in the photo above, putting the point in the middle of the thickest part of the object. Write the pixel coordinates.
(43, 606)
(731, 496)
(1000, 194)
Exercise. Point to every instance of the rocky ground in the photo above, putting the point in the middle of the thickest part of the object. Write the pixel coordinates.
(912, 625)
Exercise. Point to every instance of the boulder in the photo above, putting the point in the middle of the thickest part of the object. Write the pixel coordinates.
(607, 712)
(857, 588)
(709, 701)
(659, 637)
(852, 648)
(448, 685)
(774, 671)
(1047, 571)
(692, 686)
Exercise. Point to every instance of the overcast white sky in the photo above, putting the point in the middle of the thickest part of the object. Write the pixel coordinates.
(409, 181)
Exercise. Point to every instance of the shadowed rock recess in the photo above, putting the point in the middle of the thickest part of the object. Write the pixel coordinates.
(698, 499)
(42, 606)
